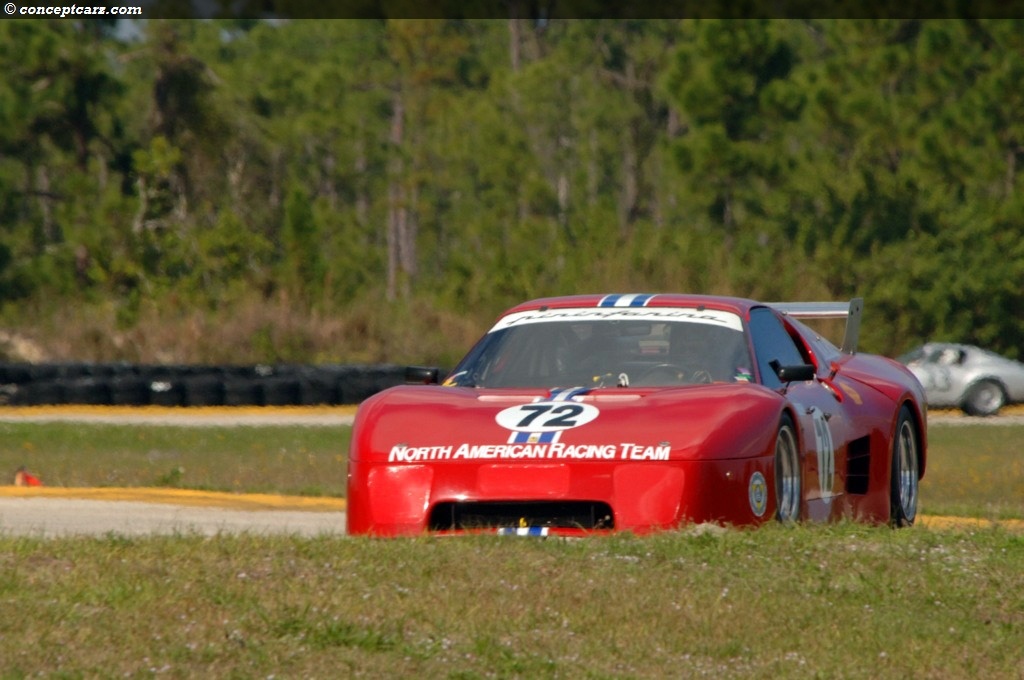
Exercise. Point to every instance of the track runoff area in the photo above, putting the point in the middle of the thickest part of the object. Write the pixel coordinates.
(317, 416)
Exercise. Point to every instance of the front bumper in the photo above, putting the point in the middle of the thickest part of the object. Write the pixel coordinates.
(391, 499)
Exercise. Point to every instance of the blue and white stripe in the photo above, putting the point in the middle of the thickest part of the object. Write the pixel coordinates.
(566, 393)
(634, 300)
(534, 437)
(522, 531)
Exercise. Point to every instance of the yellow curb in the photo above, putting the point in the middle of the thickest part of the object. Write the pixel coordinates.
(219, 499)
(944, 522)
(1008, 410)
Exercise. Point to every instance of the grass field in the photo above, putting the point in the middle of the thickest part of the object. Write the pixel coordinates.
(840, 601)
(843, 601)
(973, 470)
(295, 460)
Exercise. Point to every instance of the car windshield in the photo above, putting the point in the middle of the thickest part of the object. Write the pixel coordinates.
(598, 348)
(914, 356)
(943, 355)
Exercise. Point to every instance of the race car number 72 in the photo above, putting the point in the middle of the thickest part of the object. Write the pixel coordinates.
(546, 416)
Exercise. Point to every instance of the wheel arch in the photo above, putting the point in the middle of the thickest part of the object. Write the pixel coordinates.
(904, 485)
(788, 412)
(920, 431)
(995, 379)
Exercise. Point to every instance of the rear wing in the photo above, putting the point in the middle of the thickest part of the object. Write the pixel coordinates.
(851, 311)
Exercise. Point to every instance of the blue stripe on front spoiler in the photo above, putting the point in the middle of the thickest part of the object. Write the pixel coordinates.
(533, 438)
(522, 531)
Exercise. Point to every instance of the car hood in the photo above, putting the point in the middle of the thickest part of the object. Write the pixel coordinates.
(422, 424)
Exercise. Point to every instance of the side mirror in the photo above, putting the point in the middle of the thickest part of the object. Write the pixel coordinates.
(794, 373)
(422, 375)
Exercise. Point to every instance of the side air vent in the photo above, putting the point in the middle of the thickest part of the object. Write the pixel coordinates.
(568, 514)
(858, 466)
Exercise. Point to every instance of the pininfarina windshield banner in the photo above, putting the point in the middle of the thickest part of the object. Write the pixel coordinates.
(650, 314)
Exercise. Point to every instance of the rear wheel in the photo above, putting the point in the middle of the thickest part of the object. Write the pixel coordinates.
(984, 399)
(787, 472)
(905, 472)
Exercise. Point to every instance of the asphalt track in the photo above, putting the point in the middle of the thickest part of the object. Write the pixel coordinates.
(51, 511)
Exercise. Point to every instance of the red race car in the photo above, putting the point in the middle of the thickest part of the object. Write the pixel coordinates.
(584, 414)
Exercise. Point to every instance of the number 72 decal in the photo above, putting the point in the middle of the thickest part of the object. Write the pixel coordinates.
(546, 416)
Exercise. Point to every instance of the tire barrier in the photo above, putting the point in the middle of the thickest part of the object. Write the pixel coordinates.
(120, 384)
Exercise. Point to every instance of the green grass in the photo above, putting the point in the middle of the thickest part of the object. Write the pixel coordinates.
(835, 601)
(841, 601)
(973, 470)
(288, 460)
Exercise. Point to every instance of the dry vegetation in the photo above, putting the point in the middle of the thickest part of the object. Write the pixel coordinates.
(255, 330)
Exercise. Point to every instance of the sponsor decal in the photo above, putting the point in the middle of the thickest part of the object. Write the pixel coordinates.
(555, 451)
(536, 429)
(617, 313)
(758, 494)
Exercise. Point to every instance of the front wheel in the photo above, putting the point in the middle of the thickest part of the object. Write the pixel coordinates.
(787, 472)
(903, 485)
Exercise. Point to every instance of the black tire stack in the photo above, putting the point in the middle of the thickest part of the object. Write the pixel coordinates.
(23, 384)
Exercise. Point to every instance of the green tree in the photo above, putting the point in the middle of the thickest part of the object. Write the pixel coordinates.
(737, 86)
(304, 266)
(57, 142)
(913, 173)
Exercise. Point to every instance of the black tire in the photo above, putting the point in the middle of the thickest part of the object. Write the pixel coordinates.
(166, 392)
(204, 391)
(904, 481)
(18, 374)
(362, 382)
(984, 398)
(243, 392)
(43, 392)
(315, 391)
(788, 482)
(93, 391)
(281, 391)
(129, 391)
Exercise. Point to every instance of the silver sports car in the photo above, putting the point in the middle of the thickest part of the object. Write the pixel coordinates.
(966, 377)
